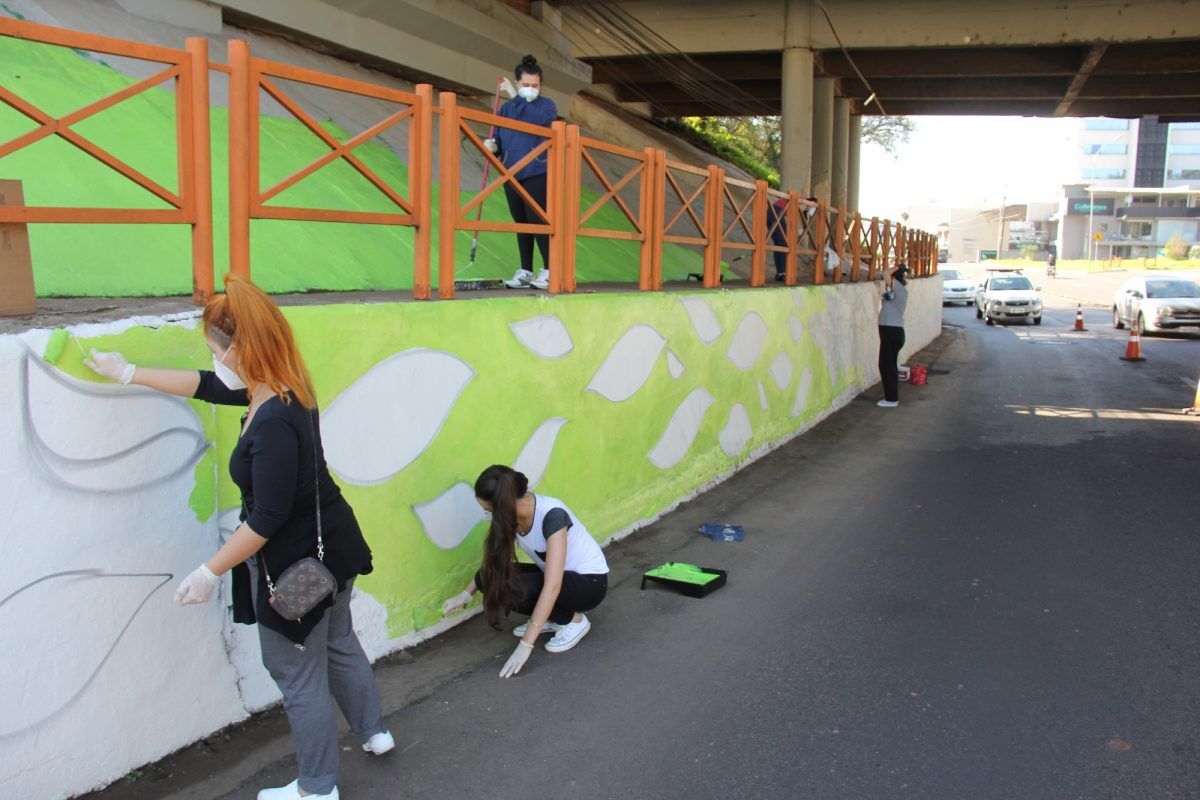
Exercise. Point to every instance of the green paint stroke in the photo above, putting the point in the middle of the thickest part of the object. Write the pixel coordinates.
(153, 260)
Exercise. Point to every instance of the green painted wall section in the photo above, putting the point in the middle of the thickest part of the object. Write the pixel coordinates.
(599, 464)
(150, 260)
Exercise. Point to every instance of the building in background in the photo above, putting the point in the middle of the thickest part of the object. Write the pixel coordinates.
(1137, 185)
(974, 234)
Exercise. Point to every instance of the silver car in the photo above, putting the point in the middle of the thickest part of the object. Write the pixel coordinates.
(957, 287)
(1008, 296)
(1157, 303)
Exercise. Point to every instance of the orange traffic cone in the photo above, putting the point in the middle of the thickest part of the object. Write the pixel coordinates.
(1133, 350)
(1079, 318)
(1195, 409)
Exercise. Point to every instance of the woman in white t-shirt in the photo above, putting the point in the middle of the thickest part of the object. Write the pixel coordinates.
(568, 576)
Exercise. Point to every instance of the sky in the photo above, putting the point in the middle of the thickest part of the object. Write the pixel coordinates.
(969, 162)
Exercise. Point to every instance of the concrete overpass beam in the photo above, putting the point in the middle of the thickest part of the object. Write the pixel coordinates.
(822, 138)
(841, 151)
(853, 162)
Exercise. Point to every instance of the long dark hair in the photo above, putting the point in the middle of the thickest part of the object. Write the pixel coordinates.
(528, 66)
(502, 487)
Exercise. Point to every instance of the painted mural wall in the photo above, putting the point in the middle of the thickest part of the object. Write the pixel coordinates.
(624, 405)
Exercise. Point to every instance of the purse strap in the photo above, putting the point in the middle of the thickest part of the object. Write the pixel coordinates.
(317, 491)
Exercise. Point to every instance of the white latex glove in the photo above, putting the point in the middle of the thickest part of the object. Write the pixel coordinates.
(507, 87)
(456, 604)
(197, 587)
(491, 145)
(111, 365)
(516, 660)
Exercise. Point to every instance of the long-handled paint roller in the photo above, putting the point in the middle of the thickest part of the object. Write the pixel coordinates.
(487, 166)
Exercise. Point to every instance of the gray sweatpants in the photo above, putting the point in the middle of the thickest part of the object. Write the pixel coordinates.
(330, 667)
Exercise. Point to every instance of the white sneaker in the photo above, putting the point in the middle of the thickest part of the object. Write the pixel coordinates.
(292, 792)
(520, 279)
(549, 627)
(542, 281)
(888, 403)
(569, 635)
(380, 743)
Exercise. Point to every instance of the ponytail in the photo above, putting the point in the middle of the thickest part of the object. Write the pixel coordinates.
(246, 318)
(502, 487)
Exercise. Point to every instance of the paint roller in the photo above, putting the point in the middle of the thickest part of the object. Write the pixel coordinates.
(57, 343)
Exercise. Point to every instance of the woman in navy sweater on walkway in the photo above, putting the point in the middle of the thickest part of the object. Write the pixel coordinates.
(529, 107)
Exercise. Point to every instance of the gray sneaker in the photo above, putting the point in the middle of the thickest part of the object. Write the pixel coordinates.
(520, 279)
(542, 281)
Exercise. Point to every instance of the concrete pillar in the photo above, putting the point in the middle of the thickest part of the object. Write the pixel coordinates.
(841, 151)
(822, 138)
(853, 162)
(797, 120)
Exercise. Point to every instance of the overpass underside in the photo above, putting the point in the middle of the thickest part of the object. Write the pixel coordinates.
(823, 65)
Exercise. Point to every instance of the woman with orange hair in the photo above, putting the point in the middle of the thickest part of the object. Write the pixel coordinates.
(279, 466)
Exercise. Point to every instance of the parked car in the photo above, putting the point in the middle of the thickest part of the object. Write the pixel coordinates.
(957, 287)
(1006, 295)
(1157, 303)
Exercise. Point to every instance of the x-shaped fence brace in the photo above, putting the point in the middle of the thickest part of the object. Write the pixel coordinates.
(687, 201)
(337, 149)
(612, 191)
(61, 127)
(507, 175)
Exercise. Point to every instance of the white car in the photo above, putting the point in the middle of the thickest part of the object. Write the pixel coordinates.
(956, 287)
(1157, 303)
(1008, 296)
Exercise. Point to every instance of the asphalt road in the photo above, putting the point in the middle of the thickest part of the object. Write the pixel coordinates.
(989, 592)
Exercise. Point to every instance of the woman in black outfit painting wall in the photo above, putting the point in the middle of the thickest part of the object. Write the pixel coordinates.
(279, 466)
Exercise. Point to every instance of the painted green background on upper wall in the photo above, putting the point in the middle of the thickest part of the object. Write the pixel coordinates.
(148, 260)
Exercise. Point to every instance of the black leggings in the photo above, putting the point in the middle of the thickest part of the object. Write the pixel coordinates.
(578, 592)
(778, 237)
(891, 340)
(524, 213)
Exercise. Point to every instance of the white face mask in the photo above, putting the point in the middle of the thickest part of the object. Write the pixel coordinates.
(487, 516)
(530, 93)
(226, 375)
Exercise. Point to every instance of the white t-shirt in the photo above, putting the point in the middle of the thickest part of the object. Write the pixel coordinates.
(584, 556)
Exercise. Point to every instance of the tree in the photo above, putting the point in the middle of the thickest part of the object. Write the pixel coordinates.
(1176, 248)
(887, 132)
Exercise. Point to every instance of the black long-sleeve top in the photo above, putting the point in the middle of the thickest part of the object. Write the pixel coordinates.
(276, 467)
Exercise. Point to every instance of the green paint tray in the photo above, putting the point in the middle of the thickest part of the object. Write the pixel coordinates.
(687, 579)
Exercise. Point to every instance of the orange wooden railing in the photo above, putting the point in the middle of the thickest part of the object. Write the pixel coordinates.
(678, 204)
(191, 202)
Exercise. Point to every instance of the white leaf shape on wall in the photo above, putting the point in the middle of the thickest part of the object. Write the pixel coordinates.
(628, 365)
(762, 396)
(747, 342)
(45, 673)
(105, 438)
(681, 430)
(736, 433)
(802, 392)
(781, 370)
(674, 365)
(544, 336)
(449, 517)
(797, 328)
(535, 455)
(703, 319)
(386, 418)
